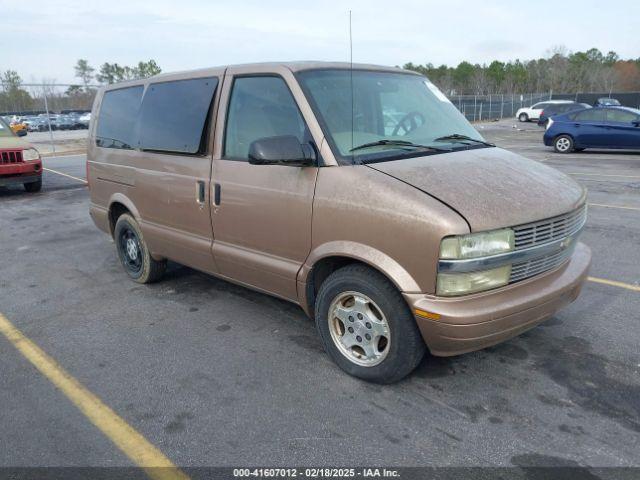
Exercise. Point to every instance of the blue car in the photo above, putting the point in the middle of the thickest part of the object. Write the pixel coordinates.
(600, 127)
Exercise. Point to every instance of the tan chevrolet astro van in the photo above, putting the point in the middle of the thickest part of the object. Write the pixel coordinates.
(360, 194)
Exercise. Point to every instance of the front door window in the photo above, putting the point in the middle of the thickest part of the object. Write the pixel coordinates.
(260, 107)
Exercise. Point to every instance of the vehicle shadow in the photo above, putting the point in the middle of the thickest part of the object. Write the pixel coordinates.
(592, 151)
(12, 192)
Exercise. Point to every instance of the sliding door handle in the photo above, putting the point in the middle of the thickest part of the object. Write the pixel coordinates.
(200, 191)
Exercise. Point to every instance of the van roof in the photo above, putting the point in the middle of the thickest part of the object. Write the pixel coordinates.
(295, 66)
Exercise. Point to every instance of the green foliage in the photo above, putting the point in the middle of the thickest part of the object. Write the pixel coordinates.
(589, 71)
(13, 97)
(112, 72)
(73, 90)
(84, 72)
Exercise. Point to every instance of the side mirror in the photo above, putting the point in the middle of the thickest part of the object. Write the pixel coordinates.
(281, 150)
(21, 133)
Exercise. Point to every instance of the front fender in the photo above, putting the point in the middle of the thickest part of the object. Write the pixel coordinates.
(366, 254)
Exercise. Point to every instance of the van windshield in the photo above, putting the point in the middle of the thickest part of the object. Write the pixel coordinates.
(390, 115)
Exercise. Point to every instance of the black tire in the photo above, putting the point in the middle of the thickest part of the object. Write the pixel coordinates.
(563, 144)
(141, 267)
(405, 348)
(33, 187)
(523, 117)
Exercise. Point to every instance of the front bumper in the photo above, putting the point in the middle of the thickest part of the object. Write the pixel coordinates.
(473, 322)
(19, 173)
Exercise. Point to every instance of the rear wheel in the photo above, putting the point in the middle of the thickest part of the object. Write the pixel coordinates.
(134, 253)
(33, 187)
(366, 326)
(523, 117)
(563, 144)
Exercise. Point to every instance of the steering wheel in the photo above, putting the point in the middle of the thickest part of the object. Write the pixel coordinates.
(408, 123)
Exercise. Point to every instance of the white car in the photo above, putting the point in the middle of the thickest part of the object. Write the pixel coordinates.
(533, 112)
(85, 119)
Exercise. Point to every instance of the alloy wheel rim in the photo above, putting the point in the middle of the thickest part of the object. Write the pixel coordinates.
(359, 329)
(562, 144)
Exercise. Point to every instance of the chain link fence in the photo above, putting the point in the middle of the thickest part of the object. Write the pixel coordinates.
(497, 106)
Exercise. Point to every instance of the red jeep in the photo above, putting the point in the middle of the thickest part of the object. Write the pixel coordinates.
(19, 162)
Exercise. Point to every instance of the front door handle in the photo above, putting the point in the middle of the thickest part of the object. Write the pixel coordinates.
(216, 194)
(200, 191)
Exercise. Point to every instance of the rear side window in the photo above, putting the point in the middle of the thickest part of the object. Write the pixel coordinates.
(621, 116)
(591, 115)
(174, 115)
(117, 118)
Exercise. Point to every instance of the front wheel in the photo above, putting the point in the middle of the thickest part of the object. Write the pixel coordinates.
(366, 326)
(33, 187)
(563, 144)
(134, 253)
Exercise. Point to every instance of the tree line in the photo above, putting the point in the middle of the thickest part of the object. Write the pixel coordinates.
(560, 71)
(15, 97)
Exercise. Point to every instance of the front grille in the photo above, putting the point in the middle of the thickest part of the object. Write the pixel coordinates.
(521, 271)
(549, 230)
(546, 231)
(10, 156)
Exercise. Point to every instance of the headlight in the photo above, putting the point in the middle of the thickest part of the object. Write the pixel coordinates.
(474, 245)
(30, 154)
(549, 123)
(477, 244)
(450, 284)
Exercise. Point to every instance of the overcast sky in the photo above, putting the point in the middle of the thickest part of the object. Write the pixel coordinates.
(43, 39)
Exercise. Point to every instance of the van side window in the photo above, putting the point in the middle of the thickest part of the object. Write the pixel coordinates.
(174, 115)
(117, 118)
(260, 107)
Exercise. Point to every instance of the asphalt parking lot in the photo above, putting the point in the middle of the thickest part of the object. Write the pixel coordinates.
(212, 374)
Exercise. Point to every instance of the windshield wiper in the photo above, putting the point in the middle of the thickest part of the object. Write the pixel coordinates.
(398, 143)
(459, 136)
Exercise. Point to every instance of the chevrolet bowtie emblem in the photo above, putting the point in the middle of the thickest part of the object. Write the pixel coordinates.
(566, 242)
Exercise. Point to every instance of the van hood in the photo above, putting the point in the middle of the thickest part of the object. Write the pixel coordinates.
(13, 143)
(490, 187)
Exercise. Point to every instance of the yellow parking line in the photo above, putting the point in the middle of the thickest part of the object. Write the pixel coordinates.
(124, 436)
(66, 175)
(613, 206)
(604, 175)
(613, 283)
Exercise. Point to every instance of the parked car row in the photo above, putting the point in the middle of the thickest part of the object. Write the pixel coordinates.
(40, 123)
(573, 127)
